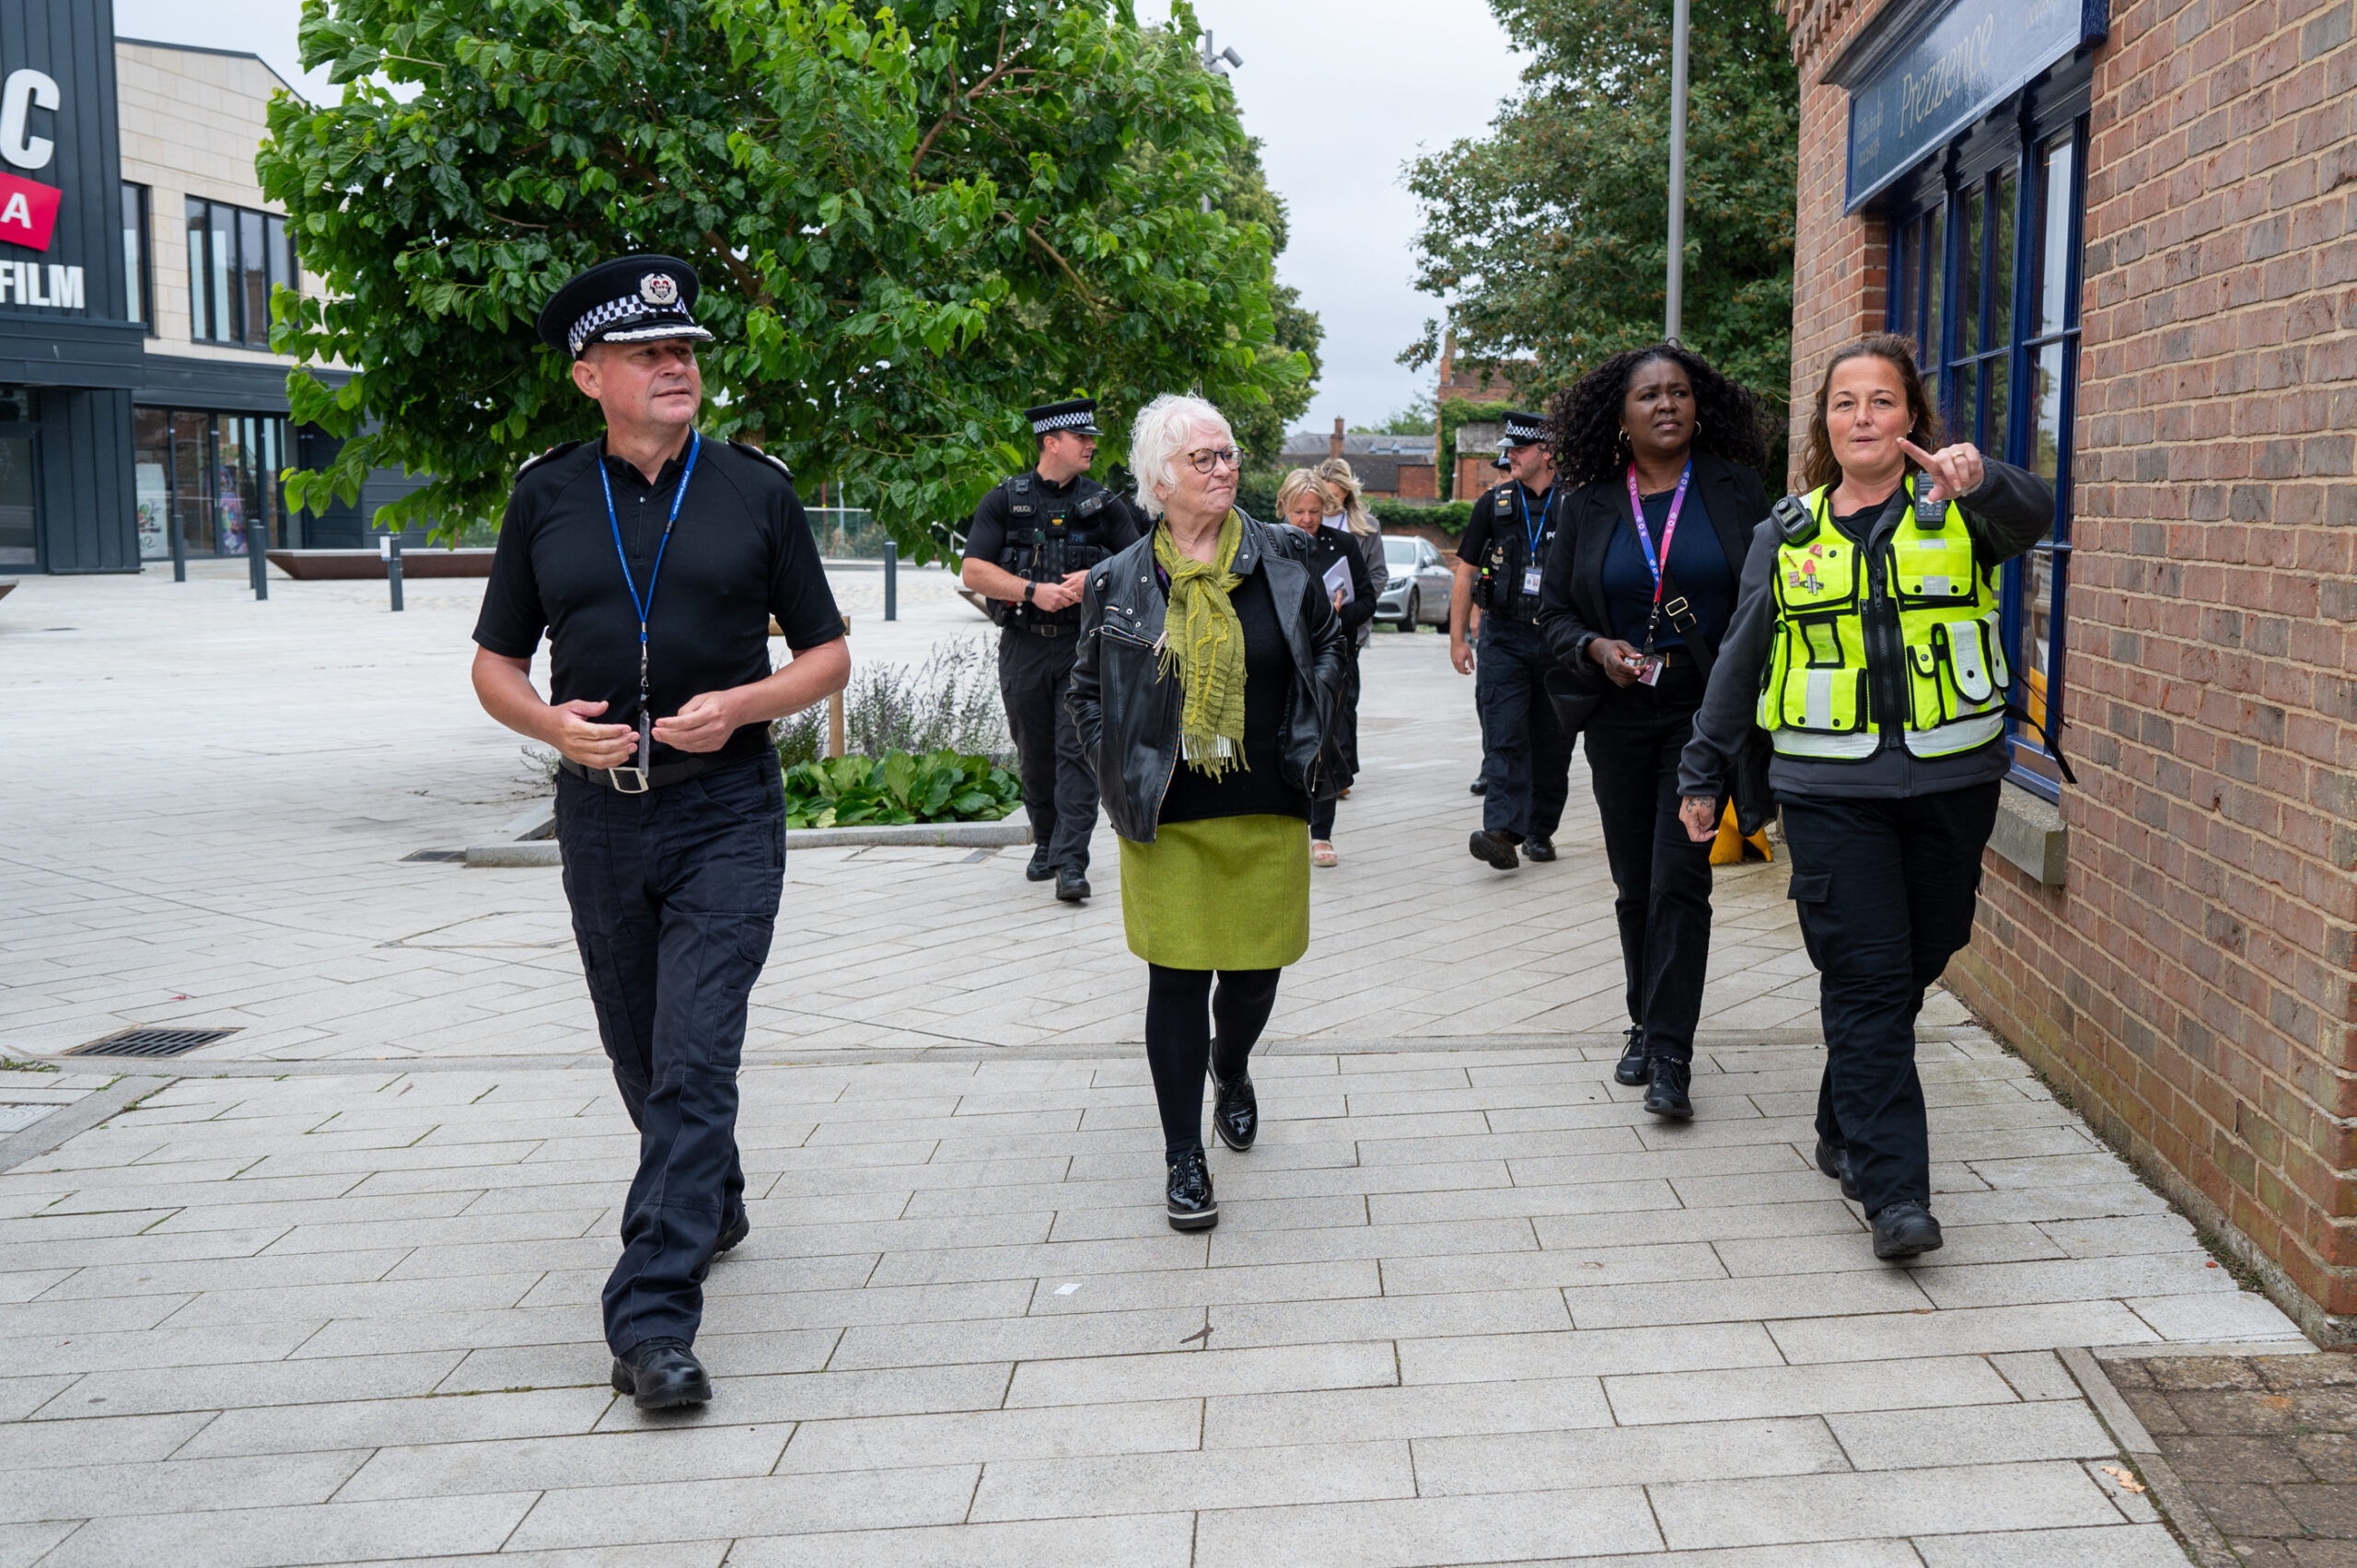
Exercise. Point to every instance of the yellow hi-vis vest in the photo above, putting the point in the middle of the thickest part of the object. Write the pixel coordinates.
(1816, 698)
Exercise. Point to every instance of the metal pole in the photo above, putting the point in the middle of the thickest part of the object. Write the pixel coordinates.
(1674, 313)
(258, 559)
(891, 580)
(393, 568)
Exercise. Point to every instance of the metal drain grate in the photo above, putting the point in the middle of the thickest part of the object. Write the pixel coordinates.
(151, 1043)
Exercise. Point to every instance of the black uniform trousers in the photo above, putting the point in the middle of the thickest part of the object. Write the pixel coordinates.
(1886, 891)
(674, 895)
(1059, 787)
(1526, 755)
(1661, 878)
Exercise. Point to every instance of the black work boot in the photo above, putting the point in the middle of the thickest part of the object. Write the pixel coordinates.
(1481, 785)
(1631, 1068)
(660, 1374)
(1538, 846)
(1904, 1229)
(732, 1233)
(1236, 1110)
(1495, 848)
(1071, 884)
(1665, 1093)
(1835, 1162)
(1042, 868)
(1189, 1201)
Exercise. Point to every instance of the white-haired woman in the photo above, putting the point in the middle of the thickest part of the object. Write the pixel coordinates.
(1209, 661)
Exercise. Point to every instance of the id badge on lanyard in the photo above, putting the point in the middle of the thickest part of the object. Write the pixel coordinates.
(636, 777)
(1533, 574)
(1650, 665)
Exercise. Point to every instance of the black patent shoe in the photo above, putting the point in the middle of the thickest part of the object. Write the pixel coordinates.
(1236, 1112)
(660, 1374)
(732, 1233)
(1495, 848)
(1665, 1088)
(1904, 1229)
(1835, 1162)
(1071, 884)
(1630, 1068)
(1481, 786)
(1189, 1201)
(1042, 868)
(1538, 846)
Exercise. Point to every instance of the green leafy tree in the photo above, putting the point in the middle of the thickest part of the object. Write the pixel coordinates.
(1549, 236)
(911, 222)
(1416, 419)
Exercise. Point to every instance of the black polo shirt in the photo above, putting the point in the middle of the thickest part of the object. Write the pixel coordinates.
(740, 553)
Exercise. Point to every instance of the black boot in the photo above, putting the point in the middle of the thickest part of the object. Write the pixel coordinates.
(1189, 1200)
(1665, 1095)
(732, 1233)
(659, 1373)
(1071, 884)
(1835, 1162)
(1042, 868)
(1481, 785)
(1631, 1068)
(1236, 1110)
(1538, 846)
(1904, 1229)
(1495, 848)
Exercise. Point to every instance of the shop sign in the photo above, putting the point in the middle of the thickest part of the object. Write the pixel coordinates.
(1952, 69)
(52, 287)
(27, 212)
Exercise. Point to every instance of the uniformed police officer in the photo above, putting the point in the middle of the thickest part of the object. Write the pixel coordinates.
(1526, 755)
(1033, 538)
(654, 560)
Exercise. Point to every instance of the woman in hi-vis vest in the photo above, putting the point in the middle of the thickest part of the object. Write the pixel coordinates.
(1867, 642)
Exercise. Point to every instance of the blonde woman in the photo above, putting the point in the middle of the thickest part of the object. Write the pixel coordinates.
(1352, 515)
(1209, 656)
(1308, 504)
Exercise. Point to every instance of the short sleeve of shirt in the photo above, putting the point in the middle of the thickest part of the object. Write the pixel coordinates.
(1475, 544)
(799, 598)
(513, 616)
(986, 536)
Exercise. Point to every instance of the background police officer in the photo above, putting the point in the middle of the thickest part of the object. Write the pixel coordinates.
(1033, 538)
(654, 560)
(1526, 755)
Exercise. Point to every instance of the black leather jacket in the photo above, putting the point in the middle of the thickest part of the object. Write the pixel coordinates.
(1128, 715)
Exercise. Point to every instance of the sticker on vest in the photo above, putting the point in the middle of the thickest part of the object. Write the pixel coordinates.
(1530, 577)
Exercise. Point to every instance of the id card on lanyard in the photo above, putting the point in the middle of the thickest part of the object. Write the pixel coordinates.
(1649, 671)
(644, 606)
(1532, 572)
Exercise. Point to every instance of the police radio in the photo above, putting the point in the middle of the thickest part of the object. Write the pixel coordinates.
(1795, 522)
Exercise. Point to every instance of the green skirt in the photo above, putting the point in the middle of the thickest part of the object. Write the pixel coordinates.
(1224, 893)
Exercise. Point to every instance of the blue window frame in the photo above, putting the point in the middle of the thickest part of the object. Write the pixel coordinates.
(1984, 274)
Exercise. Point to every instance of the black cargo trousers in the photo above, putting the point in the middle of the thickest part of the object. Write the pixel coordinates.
(1059, 786)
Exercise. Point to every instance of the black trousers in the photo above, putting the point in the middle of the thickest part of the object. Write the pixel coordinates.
(674, 895)
(1887, 891)
(1661, 878)
(1526, 755)
(1179, 1031)
(1059, 790)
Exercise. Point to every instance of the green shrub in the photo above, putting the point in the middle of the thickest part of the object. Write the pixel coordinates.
(950, 703)
(1452, 516)
(940, 787)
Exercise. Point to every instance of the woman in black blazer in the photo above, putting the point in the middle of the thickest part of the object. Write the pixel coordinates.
(1659, 426)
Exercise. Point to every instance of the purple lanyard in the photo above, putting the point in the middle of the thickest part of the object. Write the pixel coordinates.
(1668, 527)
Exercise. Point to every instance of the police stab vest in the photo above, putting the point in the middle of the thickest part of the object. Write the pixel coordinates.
(1827, 661)
(1049, 537)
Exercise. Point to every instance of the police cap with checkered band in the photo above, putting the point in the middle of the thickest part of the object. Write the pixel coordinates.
(1523, 429)
(1078, 416)
(628, 299)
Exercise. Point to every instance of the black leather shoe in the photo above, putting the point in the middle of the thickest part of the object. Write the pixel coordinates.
(1835, 1162)
(1631, 1068)
(1666, 1090)
(1904, 1229)
(1236, 1112)
(1189, 1201)
(1538, 846)
(1071, 884)
(1497, 849)
(1042, 868)
(732, 1232)
(1481, 786)
(660, 1374)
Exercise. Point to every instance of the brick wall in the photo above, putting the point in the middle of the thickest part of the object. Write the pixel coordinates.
(1838, 282)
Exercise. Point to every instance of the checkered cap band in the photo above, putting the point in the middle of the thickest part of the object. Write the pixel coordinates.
(1521, 432)
(1064, 422)
(672, 322)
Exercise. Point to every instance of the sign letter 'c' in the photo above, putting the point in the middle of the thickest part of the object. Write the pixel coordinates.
(23, 92)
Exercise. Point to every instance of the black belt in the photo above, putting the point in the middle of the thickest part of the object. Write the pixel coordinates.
(633, 781)
(1048, 629)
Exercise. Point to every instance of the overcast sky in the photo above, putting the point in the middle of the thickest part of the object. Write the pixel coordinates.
(1342, 92)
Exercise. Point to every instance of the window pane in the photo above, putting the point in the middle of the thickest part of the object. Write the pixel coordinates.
(192, 480)
(1967, 284)
(253, 264)
(2054, 261)
(1934, 262)
(284, 272)
(1902, 278)
(151, 459)
(1966, 425)
(2001, 265)
(1997, 370)
(199, 318)
(2041, 614)
(135, 252)
(19, 525)
(221, 246)
(2045, 413)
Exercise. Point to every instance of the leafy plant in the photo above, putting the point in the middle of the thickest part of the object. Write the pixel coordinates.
(950, 703)
(940, 787)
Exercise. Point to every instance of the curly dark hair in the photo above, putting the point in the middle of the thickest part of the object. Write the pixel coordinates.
(1586, 415)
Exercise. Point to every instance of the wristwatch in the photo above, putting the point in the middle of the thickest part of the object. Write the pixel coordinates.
(1028, 590)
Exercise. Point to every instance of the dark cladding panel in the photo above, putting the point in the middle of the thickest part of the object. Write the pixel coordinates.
(87, 512)
(73, 42)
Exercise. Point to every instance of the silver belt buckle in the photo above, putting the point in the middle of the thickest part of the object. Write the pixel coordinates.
(637, 777)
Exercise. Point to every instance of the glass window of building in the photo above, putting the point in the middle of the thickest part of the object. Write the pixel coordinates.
(207, 484)
(140, 282)
(236, 257)
(19, 492)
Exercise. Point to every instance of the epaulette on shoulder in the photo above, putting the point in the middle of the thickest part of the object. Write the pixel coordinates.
(560, 449)
(759, 455)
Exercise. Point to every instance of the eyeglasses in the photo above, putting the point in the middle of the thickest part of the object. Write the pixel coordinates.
(1204, 460)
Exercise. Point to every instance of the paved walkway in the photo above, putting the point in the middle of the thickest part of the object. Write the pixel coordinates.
(326, 1293)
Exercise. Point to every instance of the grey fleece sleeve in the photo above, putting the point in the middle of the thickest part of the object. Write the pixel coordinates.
(2010, 510)
(1705, 766)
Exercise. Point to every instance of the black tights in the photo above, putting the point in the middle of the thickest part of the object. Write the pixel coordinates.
(1178, 1032)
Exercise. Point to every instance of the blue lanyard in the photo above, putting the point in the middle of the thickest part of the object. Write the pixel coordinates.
(696, 444)
(1530, 536)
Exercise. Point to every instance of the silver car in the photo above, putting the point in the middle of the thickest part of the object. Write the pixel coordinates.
(1418, 592)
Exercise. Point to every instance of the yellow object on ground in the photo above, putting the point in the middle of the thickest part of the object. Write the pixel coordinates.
(1731, 848)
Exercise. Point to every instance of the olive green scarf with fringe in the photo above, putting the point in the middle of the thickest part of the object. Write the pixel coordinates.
(1203, 641)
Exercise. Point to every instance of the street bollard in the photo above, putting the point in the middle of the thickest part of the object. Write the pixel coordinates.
(258, 561)
(891, 580)
(390, 547)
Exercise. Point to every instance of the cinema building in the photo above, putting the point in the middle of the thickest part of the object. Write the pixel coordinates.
(143, 417)
(2120, 239)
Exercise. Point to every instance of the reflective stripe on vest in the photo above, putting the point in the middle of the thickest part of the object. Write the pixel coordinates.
(1815, 694)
